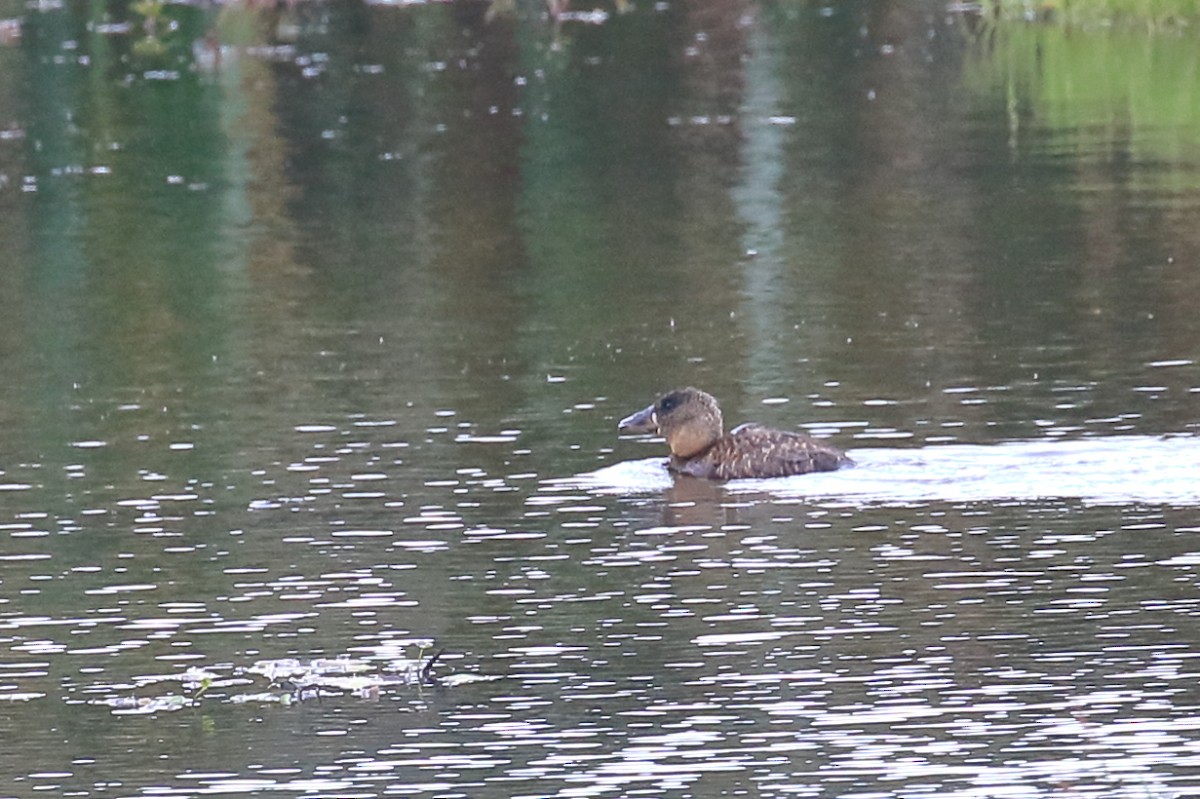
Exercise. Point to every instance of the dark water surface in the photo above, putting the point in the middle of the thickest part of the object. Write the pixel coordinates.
(313, 352)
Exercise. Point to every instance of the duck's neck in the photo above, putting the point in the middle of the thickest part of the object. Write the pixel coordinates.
(692, 441)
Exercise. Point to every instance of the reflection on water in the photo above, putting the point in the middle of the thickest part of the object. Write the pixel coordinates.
(313, 357)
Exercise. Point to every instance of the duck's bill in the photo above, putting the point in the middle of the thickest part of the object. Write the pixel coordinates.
(644, 421)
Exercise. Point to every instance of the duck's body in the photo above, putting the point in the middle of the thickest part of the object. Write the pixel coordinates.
(690, 420)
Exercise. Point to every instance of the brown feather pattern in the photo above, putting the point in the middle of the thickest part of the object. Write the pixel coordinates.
(690, 420)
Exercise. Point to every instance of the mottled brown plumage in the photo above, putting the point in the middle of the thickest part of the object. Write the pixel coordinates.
(690, 420)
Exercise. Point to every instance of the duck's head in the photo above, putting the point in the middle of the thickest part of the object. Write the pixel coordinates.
(689, 419)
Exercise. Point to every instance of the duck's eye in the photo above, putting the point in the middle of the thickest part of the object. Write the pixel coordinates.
(669, 403)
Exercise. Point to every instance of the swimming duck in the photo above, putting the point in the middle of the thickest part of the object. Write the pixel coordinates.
(690, 420)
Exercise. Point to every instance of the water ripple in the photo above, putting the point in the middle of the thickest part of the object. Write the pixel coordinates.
(1119, 470)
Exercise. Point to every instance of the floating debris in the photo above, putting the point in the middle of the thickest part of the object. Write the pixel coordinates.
(143, 706)
(263, 697)
(290, 680)
(291, 668)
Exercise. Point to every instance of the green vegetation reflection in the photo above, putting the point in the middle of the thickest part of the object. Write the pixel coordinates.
(1084, 13)
(1130, 90)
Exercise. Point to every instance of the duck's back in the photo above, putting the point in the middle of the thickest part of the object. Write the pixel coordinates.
(754, 451)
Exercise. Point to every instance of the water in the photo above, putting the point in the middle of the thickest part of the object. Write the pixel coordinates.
(1115, 470)
(313, 356)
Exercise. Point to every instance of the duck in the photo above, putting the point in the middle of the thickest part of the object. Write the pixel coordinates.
(690, 420)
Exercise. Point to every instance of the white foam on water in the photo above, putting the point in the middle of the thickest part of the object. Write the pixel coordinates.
(1118, 470)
